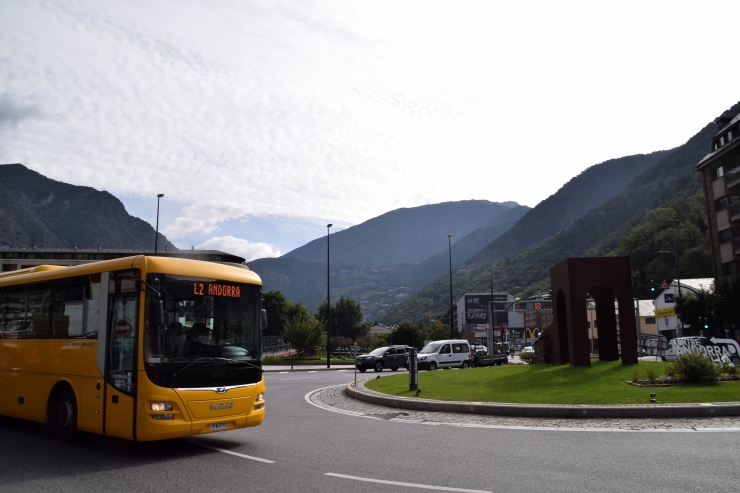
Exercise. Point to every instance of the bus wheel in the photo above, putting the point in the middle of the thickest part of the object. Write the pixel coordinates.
(66, 415)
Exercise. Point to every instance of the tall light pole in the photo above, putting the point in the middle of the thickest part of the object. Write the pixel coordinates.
(328, 300)
(452, 325)
(156, 231)
(678, 280)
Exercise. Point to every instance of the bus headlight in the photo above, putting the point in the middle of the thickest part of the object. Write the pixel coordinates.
(161, 406)
(259, 402)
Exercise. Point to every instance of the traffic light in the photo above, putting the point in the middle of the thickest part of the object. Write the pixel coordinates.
(652, 286)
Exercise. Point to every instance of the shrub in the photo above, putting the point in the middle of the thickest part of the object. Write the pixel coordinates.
(651, 375)
(635, 377)
(527, 357)
(696, 367)
(727, 368)
(670, 370)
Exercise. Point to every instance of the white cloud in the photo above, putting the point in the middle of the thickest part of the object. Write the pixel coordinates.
(346, 110)
(241, 247)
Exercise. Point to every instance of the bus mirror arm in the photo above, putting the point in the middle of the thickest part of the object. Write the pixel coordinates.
(143, 283)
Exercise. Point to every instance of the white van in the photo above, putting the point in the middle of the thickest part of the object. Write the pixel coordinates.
(444, 354)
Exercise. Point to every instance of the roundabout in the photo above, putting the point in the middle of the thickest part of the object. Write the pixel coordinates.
(343, 399)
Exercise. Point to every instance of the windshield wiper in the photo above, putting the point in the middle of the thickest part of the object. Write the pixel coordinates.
(214, 360)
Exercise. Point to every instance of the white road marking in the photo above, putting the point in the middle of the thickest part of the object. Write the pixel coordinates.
(298, 378)
(235, 453)
(284, 372)
(409, 485)
(360, 414)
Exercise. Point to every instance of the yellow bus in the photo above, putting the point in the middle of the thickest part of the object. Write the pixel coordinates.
(141, 348)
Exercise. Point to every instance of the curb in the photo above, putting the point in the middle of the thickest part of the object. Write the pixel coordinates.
(572, 411)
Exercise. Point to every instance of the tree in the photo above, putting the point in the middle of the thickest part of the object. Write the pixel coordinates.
(719, 307)
(275, 305)
(346, 318)
(409, 334)
(305, 334)
(295, 311)
(695, 308)
(437, 331)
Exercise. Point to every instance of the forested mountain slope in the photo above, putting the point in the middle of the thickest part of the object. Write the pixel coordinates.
(51, 214)
(596, 233)
(408, 235)
(399, 237)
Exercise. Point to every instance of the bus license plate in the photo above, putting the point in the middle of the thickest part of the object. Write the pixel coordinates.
(218, 426)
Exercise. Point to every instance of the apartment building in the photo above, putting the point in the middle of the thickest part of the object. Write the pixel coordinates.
(721, 175)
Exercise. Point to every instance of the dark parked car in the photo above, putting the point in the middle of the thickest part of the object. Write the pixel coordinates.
(393, 357)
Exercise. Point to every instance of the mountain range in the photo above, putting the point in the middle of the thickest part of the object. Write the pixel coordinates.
(397, 265)
(36, 210)
(519, 260)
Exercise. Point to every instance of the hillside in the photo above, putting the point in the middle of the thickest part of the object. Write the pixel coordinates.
(398, 238)
(51, 214)
(593, 211)
(407, 235)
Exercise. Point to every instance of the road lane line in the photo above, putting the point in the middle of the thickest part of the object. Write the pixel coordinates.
(235, 453)
(408, 485)
(298, 378)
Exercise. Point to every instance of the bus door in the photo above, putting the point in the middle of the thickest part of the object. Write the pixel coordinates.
(120, 365)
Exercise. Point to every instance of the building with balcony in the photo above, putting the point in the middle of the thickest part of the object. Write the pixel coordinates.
(721, 176)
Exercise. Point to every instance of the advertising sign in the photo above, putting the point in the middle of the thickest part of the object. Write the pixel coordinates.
(476, 308)
(665, 312)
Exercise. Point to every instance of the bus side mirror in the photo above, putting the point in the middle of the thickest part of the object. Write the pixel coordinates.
(155, 309)
(263, 318)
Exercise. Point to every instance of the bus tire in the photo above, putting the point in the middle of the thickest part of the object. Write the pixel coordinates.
(65, 415)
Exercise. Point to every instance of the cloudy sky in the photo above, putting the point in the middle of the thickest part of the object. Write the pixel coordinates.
(261, 121)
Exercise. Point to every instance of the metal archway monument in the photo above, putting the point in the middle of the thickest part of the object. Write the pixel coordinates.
(604, 278)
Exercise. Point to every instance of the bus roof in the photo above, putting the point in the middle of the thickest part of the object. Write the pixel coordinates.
(38, 268)
(160, 265)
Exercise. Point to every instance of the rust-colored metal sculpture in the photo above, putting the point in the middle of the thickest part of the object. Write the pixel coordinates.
(604, 278)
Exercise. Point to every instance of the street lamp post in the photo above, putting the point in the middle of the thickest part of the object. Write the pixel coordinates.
(156, 231)
(678, 280)
(328, 301)
(449, 247)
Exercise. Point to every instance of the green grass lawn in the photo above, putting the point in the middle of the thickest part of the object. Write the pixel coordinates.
(601, 383)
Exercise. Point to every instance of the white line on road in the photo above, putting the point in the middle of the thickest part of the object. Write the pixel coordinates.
(284, 372)
(235, 453)
(409, 485)
(312, 371)
(298, 378)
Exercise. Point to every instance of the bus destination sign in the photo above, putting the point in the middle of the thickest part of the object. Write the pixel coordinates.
(213, 289)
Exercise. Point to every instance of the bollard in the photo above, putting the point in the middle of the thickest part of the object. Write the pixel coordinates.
(413, 370)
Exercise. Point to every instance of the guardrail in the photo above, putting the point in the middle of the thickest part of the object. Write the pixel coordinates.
(282, 350)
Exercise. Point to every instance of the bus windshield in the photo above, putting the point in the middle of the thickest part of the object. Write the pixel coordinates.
(210, 337)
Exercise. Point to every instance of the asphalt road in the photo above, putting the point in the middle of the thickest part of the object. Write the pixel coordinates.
(316, 450)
